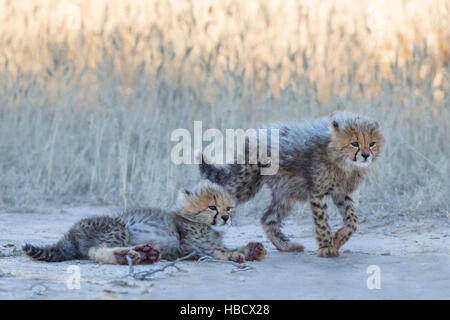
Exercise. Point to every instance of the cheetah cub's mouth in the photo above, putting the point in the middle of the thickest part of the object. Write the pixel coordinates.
(221, 227)
(221, 221)
(361, 163)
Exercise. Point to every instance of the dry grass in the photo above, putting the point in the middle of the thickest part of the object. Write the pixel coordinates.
(86, 114)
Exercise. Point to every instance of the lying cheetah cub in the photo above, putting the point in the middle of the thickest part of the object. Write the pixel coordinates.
(145, 235)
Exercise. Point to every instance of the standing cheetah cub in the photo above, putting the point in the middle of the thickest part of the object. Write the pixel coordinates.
(145, 235)
(325, 157)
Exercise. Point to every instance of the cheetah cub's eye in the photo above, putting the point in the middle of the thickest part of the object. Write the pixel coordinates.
(355, 144)
(212, 208)
(372, 144)
(229, 209)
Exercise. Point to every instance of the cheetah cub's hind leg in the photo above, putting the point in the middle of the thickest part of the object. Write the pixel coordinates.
(272, 221)
(142, 254)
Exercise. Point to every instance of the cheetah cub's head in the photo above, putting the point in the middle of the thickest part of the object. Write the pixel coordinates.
(208, 204)
(355, 140)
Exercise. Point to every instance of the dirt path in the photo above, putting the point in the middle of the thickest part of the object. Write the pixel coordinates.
(411, 258)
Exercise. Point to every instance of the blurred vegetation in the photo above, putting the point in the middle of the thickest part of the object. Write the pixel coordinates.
(87, 106)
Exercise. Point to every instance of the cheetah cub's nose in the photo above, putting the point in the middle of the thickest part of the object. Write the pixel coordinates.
(225, 217)
(365, 155)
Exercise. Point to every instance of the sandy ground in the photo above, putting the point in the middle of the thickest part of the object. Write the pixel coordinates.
(411, 255)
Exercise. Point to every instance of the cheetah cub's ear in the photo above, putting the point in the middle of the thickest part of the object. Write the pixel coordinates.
(183, 198)
(185, 192)
(188, 201)
(183, 195)
(334, 124)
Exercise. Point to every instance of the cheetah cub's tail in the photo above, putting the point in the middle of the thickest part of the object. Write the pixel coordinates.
(209, 171)
(242, 181)
(61, 251)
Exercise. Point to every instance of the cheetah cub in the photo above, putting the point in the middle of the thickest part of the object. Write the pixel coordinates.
(196, 224)
(317, 159)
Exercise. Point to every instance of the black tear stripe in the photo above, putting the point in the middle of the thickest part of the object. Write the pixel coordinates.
(354, 159)
(215, 216)
(347, 198)
(217, 210)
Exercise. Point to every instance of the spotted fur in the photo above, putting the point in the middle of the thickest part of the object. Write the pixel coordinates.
(325, 157)
(196, 225)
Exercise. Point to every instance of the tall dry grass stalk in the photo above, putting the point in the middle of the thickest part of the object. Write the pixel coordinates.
(86, 113)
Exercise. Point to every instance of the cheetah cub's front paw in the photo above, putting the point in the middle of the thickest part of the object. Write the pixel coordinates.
(254, 251)
(236, 256)
(327, 252)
